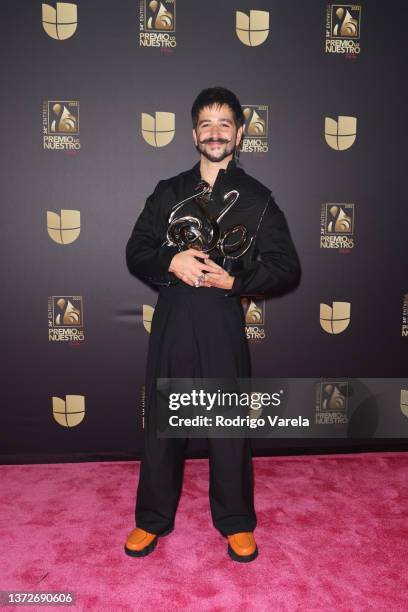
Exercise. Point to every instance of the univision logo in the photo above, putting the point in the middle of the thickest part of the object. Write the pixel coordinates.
(158, 131)
(147, 314)
(64, 228)
(70, 411)
(336, 318)
(340, 134)
(253, 29)
(61, 22)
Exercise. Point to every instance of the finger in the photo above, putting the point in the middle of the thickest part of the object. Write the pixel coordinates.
(186, 279)
(214, 266)
(205, 266)
(197, 253)
(212, 283)
(206, 283)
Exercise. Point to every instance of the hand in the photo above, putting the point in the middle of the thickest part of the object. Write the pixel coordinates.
(187, 268)
(218, 277)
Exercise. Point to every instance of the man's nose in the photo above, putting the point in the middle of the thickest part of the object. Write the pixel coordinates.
(215, 131)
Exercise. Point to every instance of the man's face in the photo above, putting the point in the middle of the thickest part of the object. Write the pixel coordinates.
(216, 135)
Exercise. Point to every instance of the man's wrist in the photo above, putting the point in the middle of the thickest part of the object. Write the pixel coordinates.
(165, 256)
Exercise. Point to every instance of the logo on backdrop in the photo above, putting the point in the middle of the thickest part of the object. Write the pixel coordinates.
(404, 402)
(60, 22)
(255, 138)
(148, 312)
(143, 404)
(158, 131)
(69, 412)
(336, 318)
(404, 327)
(64, 228)
(253, 29)
(157, 23)
(65, 318)
(337, 226)
(343, 23)
(61, 125)
(254, 311)
(331, 403)
(340, 134)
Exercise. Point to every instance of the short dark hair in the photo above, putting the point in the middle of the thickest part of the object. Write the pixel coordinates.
(217, 96)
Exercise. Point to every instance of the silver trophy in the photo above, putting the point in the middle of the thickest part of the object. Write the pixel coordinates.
(199, 230)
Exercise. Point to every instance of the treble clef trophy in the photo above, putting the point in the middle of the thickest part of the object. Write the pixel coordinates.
(201, 231)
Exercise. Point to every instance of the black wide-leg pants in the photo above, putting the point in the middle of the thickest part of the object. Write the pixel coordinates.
(195, 333)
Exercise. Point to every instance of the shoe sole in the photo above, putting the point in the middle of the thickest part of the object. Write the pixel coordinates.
(242, 558)
(147, 549)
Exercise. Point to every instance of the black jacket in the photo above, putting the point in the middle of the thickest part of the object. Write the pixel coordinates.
(270, 265)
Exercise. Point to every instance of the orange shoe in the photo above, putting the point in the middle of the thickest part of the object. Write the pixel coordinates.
(242, 546)
(140, 543)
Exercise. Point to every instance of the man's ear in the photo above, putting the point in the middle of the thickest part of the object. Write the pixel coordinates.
(240, 133)
(195, 136)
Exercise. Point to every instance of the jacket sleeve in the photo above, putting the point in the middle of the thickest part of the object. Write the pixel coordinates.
(145, 255)
(276, 267)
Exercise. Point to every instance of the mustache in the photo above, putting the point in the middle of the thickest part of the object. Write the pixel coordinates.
(208, 140)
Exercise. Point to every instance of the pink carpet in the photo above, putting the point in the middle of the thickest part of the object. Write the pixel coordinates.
(332, 536)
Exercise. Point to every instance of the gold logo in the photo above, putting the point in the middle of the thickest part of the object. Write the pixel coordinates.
(341, 134)
(61, 125)
(255, 138)
(67, 313)
(61, 22)
(331, 403)
(65, 318)
(253, 29)
(343, 29)
(158, 131)
(333, 398)
(157, 24)
(345, 21)
(159, 17)
(337, 226)
(148, 312)
(255, 123)
(339, 221)
(254, 314)
(69, 412)
(62, 120)
(335, 319)
(64, 228)
(404, 402)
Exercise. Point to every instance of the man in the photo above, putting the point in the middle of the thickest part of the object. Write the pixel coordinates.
(198, 324)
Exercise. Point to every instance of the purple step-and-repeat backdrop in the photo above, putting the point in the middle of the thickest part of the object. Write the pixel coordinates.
(96, 102)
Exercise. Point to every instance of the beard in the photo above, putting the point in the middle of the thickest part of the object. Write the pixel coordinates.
(229, 148)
